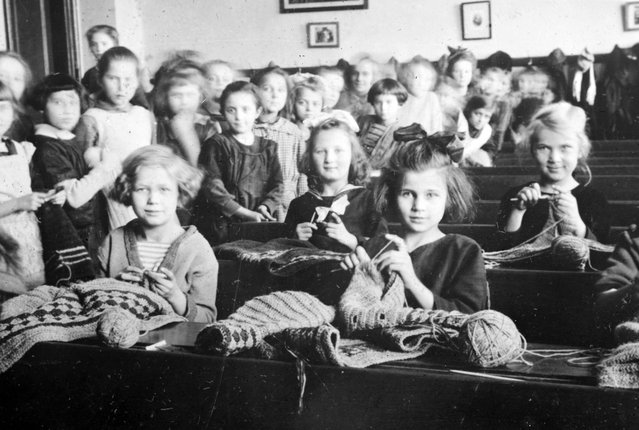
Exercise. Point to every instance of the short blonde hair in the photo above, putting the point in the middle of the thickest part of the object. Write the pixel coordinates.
(187, 177)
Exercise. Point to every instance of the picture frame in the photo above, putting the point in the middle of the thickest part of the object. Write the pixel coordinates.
(476, 20)
(294, 6)
(631, 16)
(322, 34)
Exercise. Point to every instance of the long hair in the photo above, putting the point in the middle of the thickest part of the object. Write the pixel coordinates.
(28, 74)
(417, 156)
(359, 171)
(187, 177)
(180, 76)
(116, 53)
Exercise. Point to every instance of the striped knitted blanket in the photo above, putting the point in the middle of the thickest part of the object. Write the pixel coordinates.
(65, 314)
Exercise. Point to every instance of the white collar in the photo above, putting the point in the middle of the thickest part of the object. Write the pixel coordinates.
(51, 131)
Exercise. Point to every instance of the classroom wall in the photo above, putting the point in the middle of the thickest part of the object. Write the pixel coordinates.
(250, 33)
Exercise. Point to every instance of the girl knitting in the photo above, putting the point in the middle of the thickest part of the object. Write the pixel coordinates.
(154, 250)
(20, 241)
(337, 213)
(115, 125)
(177, 99)
(272, 90)
(243, 175)
(479, 148)
(440, 271)
(559, 146)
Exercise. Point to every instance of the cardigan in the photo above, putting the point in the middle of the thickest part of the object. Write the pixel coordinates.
(189, 257)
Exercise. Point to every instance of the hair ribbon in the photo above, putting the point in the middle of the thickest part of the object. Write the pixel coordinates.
(445, 143)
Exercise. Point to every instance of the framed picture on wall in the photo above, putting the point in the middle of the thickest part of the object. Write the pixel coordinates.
(322, 34)
(291, 6)
(631, 16)
(476, 20)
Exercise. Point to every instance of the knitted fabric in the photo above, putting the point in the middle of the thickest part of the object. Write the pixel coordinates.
(261, 317)
(324, 345)
(282, 257)
(621, 368)
(627, 332)
(64, 314)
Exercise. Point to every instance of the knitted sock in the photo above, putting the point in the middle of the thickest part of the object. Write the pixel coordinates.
(621, 368)
(261, 317)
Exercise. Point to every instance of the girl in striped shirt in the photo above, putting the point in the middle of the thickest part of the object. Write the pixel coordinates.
(154, 250)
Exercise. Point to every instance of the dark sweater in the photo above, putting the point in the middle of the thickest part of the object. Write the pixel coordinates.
(360, 217)
(452, 268)
(593, 210)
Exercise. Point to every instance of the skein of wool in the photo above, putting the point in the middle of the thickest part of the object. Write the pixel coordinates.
(118, 328)
(490, 339)
(570, 252)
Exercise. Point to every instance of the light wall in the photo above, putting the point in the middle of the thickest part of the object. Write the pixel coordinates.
(250, 33)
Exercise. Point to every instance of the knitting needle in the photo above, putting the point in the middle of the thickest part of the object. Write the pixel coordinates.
(313, 217)
(542, 197)
(389, 243)
(485, 375)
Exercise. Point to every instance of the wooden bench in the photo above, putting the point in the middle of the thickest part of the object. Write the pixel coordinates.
(526, 160)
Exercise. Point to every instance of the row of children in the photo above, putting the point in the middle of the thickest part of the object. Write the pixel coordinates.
(421, 186)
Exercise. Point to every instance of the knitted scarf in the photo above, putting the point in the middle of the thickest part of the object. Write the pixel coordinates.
(65, 314)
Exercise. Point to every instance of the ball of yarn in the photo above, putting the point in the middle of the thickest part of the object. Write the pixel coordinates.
(490, 339)
(118, 328)
(570, 252)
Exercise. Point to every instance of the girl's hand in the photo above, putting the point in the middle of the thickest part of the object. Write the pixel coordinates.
(304, 230)
(399, 261)
(31, 202)
(131, 274)
(250, 216)
(337, 230)
(527, 197)
(354, 259)
(567, 208)
(57, 196)
(264, 211)
(164, 284)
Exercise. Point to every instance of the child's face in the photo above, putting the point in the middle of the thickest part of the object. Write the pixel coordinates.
(308, 104)
(556, 155)
(241, 111)
(462, 72)
(218, 76)
(120, 82)
(334, 86)
(63, 109)
(362, 76)
(154, 196)
(386, 108)
(6, 116)
(12, 74)
(479, 118)
(494, 82)
(184, 98)
(100, 43)
(420, 80)
(331, 156)
(421, 200)
(272, 93)
(526, 83)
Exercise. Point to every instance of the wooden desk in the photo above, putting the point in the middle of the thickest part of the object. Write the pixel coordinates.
(81, 385)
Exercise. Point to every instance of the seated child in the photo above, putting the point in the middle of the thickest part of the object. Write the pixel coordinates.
(59, 157)
(440, 271)
(306, 101)
(422, 105)
(219, 74)
(101, 38)
(338, 212)
(559, 145)
(617, 298)
(334, 78)
(452, 103)
(376, 131)
(177, 98)
(154, 250)
(461, 67)
(479, 148)
(272, 89)
(243, 179)
(360, 77)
